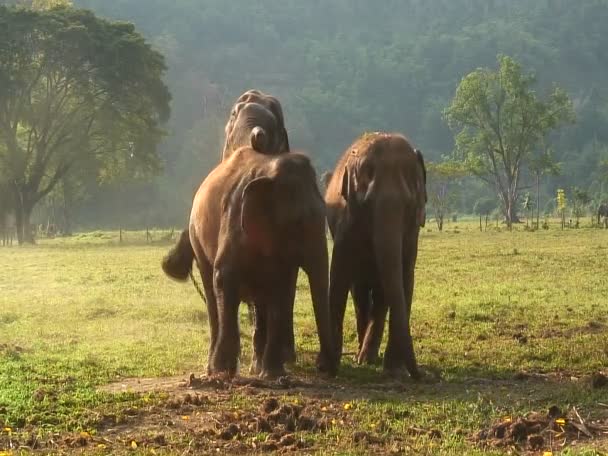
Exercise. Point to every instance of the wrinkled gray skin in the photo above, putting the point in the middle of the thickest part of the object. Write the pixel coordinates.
(256, 119)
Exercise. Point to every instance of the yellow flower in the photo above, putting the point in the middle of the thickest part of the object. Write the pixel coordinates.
(133, 444)
(560, 421)
(507, 419)
(348, 406)
(85, 434)
(101, 445)
(8, 429)
(185, 417)
(548, 453)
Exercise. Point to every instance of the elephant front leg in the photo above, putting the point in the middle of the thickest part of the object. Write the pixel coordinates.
(339, 284)
(276, 310)
(289, 352)
(225, 355)
(375, 329)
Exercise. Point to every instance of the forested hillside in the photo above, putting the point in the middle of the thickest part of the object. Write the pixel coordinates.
(341, 67)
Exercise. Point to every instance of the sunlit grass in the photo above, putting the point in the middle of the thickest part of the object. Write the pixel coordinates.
(79, 312)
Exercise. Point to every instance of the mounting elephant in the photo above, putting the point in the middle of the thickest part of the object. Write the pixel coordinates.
(376, 204)
(256, 119)
(255, 220)
(602, 212)
(255, 111)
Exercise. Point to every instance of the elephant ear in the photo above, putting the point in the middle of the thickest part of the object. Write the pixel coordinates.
(286, 140)
(256, 215)
(421, 190)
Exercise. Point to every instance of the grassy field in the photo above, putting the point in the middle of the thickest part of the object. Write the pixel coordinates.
(513, 322)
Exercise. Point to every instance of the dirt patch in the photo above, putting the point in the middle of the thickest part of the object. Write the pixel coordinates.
(540, 431)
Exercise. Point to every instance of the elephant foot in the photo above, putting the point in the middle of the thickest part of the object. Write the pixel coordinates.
(273, 373)
(367, 357)
(399, 374)
(289, 356)
(256, 367)
(327, 365)
(218, 368)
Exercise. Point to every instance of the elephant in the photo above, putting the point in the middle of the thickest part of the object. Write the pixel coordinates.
(602, 213)
(261, 114)
(376, 201)
(258, 118)
(255, 220)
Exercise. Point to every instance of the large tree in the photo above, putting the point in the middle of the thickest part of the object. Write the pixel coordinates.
(500, 122)
(76, 92)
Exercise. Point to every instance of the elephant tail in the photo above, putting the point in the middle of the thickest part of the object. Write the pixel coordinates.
(177, 264)
(259, 139)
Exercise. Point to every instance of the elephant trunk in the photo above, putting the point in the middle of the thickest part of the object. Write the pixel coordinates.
(317, 270)
(388, 242)
(259, 139)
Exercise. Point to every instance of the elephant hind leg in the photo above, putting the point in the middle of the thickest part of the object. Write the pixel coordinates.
(224, 359)
(375, 329)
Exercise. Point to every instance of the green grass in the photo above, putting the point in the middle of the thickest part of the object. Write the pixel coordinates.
(81, 312)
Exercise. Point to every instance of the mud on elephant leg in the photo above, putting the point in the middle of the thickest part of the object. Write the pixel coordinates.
(373, 335)
(259, 340)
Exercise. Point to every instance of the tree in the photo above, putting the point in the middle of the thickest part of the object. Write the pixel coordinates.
(76, 92)
(441, 177)
(483, 207)
(580, 200)
(540, 165)
(500, 121)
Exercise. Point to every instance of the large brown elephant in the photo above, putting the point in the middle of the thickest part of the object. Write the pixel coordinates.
(261, 114)
(255, 220)
(375, 201)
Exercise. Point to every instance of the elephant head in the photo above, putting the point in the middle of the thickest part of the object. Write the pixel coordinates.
(386, 178)
(254, 109)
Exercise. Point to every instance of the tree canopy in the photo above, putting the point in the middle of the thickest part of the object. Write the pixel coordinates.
(77, 94)
(342, 67)
(500, 121)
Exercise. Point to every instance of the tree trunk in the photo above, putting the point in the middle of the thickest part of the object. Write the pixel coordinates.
(23, 212)
(67, 204)
(538, 201)
(480, 228)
